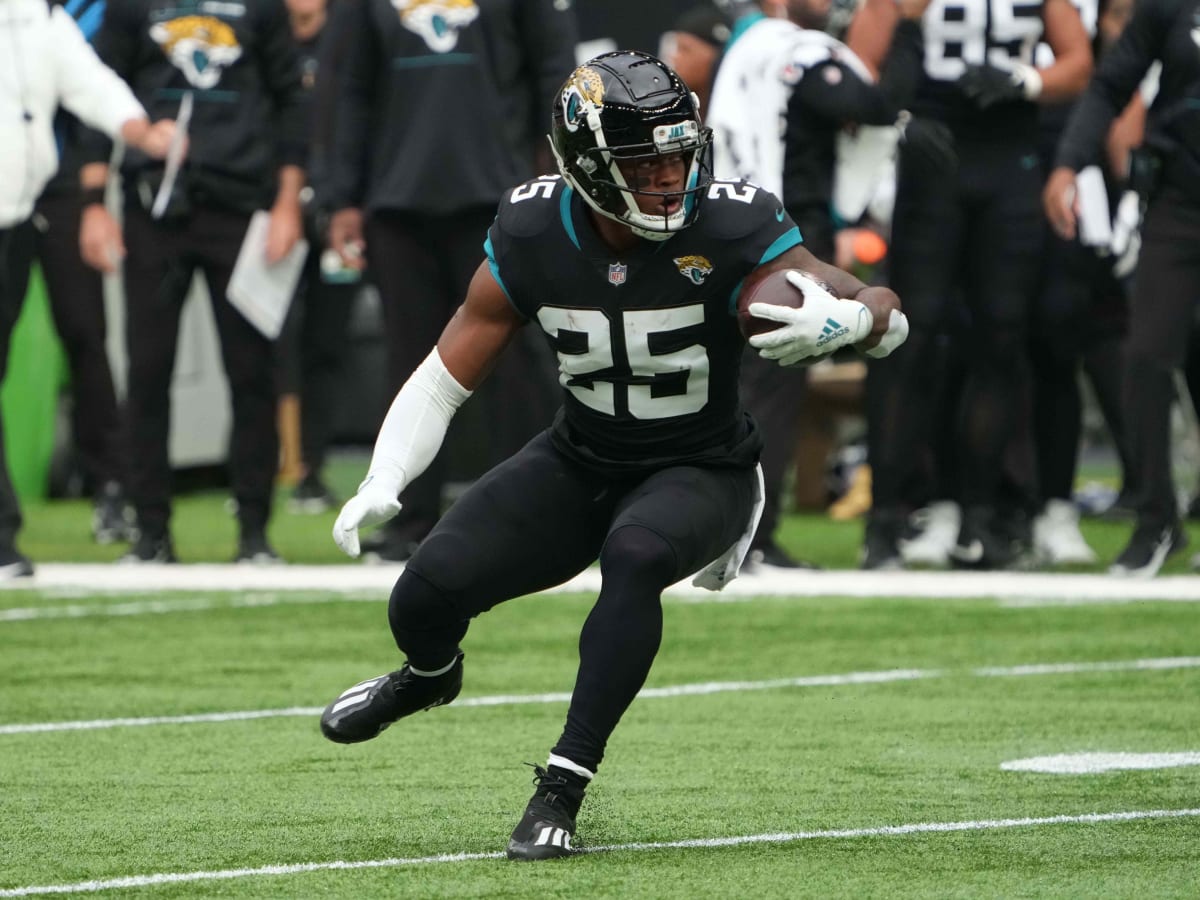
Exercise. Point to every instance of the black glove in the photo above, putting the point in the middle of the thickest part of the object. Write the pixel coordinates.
(928, 146)
(987, 85)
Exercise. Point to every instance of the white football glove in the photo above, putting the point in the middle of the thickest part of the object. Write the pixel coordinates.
(822, 325)
(374, 504)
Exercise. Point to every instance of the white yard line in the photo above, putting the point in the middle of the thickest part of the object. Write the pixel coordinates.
(273, 586)
(679, 690)
(136, 881)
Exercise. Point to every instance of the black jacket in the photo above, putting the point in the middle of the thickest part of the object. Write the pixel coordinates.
(238, 59)
(1166, 30)
(439, 119)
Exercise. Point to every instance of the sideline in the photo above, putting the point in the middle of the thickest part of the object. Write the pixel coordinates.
(359, 578)
(134, 881)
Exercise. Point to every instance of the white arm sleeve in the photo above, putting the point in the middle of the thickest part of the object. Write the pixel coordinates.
(87, 87)
(415, 425)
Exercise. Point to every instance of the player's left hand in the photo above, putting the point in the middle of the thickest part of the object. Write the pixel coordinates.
(820, 326)
(374, 504)
(988, 85)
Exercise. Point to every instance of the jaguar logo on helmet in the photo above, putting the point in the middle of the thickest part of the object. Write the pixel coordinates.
(438, 22)
(583, 92)
(693, 268)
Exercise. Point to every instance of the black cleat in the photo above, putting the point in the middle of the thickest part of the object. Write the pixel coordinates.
(112, 520)
(546, 828)
(365, 710)
(983, 542)
(14, 564)
(255, 550)
(881, 543)
(149, 548)
(1148, 549)
(771, 554)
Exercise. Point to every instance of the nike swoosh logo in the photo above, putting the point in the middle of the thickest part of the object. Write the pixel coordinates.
(779, 214)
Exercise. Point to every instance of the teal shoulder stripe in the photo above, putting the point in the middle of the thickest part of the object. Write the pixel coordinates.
(564, 210)
(781, 244)
(491, 258)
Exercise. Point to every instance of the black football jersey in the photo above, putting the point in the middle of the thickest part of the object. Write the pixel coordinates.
(959, 33)
(647, 339)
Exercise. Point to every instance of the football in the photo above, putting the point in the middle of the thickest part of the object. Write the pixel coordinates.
(775, 289)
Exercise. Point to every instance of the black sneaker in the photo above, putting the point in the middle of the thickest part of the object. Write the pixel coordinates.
(311, 496)
(982, 542)
(149, 548)
(771, 554)
(546, 828)
(253, 550)
(14, 564)
(1148, 549)
(112, 520)
(365, 710)
(881, 543)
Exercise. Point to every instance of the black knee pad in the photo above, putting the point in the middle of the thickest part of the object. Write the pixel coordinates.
(418, 610)
(637, 553)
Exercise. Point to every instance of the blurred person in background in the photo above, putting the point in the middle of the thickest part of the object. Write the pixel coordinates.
(76, 295)
(438, 113)
(314, 342)
(238, 61)
(784, 91)
(1079, 324)
(694, 45)
(1167, 286)
(48, 64)
(966, 240)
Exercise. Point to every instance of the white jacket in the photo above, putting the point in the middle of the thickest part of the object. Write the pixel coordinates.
(45, 61)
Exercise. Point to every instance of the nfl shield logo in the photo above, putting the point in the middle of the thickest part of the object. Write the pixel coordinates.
(616, 273)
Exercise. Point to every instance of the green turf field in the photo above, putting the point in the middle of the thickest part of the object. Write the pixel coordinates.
(742, 785)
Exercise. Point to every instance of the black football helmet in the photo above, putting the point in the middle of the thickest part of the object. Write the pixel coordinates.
(630, 105)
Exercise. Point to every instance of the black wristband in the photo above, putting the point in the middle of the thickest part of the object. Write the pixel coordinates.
(88, 196)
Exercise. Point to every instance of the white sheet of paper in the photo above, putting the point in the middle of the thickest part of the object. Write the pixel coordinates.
(261, 292)
(1095, 225)
(174, 157)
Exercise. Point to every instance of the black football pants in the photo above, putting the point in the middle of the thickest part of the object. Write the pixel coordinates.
(160, 261)
(16, 257)
(965, 248)
(76, 294)
(312, 352)
(538, 519)
(1161, 320)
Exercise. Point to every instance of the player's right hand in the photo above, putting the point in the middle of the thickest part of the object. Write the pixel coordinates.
(374, 504)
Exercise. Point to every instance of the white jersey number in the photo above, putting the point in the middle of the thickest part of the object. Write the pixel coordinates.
(598, 353)
(962, 32)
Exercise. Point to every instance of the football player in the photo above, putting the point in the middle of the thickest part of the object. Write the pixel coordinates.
(966, 246)
(630, 263)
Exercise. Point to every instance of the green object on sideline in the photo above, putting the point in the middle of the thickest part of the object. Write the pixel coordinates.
(29, 395)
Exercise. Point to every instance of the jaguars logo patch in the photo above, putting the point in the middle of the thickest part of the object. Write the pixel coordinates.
(438, 22)
(201, 47)
(583, 93)
(694, 268)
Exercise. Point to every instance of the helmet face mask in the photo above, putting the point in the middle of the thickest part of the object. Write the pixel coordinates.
(617, 122)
